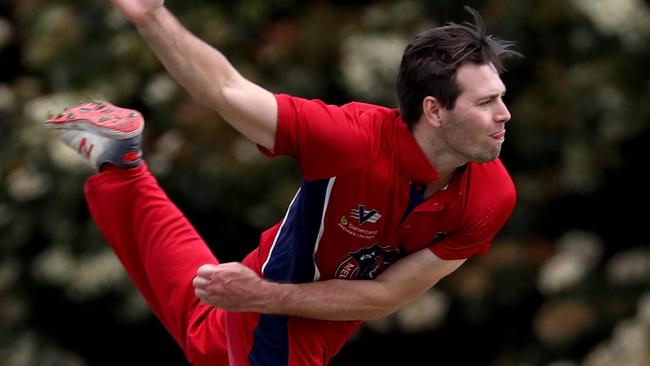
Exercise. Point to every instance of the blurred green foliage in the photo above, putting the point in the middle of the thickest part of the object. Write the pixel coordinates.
(566, 283)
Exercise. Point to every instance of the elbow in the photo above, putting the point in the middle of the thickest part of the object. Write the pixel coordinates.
(217, 96)
(213, 98)
(385, 302)
(389, 300)
(380, 312)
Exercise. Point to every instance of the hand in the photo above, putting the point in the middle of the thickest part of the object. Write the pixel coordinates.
(137, 10)
(231, 286)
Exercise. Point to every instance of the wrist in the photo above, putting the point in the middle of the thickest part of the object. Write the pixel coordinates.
(272, 296)
(151, 17)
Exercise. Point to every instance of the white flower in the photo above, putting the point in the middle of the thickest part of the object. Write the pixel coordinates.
(629, 267)
(26, 185)
(578, 252)
(160, 89)
(628, 19)
(425, 313)
(370, 63)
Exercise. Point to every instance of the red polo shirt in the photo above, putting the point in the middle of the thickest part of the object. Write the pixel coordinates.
(351, 218)
(359, 162)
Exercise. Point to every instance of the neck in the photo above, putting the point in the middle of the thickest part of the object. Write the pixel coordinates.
(440, 158)
(439, 154)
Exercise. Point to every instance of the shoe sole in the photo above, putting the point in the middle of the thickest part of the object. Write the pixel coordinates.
(104, 119)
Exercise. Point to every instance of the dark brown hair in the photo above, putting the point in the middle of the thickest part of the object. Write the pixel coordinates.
(430, 62)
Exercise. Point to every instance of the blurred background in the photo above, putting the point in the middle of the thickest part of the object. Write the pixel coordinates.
(566, 283)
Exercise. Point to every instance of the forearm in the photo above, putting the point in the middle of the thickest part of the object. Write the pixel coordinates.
(235, 287)
(330, 300)
(199, 68)
(400, 284)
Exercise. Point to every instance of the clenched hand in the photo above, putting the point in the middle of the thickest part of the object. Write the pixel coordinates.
(233, 287)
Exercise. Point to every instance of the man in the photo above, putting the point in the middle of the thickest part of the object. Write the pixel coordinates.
(394, 200)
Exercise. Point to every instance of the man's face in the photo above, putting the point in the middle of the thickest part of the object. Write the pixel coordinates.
(475, 128)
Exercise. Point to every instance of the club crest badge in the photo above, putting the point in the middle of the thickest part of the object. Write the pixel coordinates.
(367, 263)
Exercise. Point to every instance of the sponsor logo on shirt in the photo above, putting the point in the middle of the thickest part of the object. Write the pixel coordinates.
(356, 231)
(364, 215)
(367, 263)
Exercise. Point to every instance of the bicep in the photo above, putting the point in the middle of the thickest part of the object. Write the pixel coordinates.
(250, 109)
(414, 274)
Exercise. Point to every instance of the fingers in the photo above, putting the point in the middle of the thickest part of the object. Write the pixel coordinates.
(200, 282)
(201, 289)
(202, 295)
(206, 270)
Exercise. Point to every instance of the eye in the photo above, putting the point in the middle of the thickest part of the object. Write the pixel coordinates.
(485, 102)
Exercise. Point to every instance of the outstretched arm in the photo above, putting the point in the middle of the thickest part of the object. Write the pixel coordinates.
(234, 287)
(204, 72)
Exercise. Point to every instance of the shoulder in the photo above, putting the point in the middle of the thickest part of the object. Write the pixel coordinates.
(370, 120)
(358, 111)
(368, 107)
(490, 186)
(371, 112)
(353, 107)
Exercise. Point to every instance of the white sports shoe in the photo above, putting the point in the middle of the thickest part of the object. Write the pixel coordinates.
(101, 133)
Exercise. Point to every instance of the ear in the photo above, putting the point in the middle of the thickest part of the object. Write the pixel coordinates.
(432, 111)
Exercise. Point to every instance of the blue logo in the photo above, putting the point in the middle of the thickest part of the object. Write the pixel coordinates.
(365, 216)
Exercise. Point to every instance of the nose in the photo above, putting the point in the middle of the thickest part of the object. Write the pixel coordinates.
(502, 114)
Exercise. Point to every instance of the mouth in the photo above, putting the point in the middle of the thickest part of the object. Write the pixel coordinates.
(499, 136)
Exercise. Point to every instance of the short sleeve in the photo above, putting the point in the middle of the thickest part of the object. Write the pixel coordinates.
(326, 139)
(486, 213)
